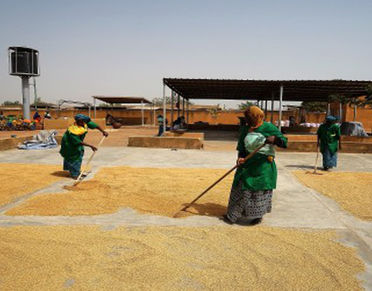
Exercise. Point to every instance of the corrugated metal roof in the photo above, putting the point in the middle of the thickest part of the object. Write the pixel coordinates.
(122, 100)
(294, 90)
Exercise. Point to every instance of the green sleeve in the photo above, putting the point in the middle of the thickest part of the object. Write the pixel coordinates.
(273, 130)
(92, 125)
(240, 146)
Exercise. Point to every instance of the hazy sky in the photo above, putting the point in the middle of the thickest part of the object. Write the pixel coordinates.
(126, 47)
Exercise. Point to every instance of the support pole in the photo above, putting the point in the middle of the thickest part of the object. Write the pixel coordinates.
(172, 105)
(280, 107)
(272, 107)
(265, 108)
(88, 110)
(154, 110)
(26, 97)
(142, 114)
(35, 94)
(340, 112)
(164, 111)
(328, 108)
(95, 109)
(183, 107)
(188, 111)
(179, 105)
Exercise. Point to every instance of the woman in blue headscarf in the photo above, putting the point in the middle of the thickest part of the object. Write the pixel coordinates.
(329, 139)
(72, 145)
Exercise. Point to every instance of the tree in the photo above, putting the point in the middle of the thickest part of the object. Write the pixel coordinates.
(244, 105)
(314, 106)
(159, 101)
(11, 103)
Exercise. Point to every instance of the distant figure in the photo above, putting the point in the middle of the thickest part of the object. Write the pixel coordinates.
(72, 145)
(36, 117)
(292, 121)
(161, 125)
(2, 117)
(179, 123)
(329, 139)
(47, 115)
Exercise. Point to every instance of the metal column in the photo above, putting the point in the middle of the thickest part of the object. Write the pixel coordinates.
(179, 105)
(272, 107)
(183, 107)
(280, 107)
(142, 114)
(95, 109)
(26, 97)
(164, 110)
(265, 108)
(172, 104)
(188, 111)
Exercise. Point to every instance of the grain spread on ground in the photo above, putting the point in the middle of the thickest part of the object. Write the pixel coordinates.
(17, 180)
(161, 191)
(174, 258)
(352, 190)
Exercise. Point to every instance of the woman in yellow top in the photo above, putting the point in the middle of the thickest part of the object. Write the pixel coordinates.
(72, 145)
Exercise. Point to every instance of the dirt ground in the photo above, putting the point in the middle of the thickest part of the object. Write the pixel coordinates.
(17, 180)
(174, 258)
(353, 191)
(147, 190)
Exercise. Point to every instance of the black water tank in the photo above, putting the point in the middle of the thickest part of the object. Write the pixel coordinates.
(23, 61)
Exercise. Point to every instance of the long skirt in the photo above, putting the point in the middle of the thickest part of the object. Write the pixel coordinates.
(248, 204)
(73, 167)
(329, 159)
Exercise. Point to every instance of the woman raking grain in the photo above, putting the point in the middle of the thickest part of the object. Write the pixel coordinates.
(255, 179)
(72, 145)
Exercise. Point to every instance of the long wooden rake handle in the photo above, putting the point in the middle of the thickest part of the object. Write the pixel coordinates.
(220, 179)
(78, 180)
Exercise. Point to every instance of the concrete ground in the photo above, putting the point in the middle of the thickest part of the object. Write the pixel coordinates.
(294, 205)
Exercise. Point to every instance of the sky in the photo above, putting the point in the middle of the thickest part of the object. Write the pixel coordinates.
(126, 48)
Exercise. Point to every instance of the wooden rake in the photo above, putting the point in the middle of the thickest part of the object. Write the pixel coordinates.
(219, 180)
(314, 172)
(79, 179)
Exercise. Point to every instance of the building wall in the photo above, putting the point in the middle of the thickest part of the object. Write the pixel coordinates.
(364, 115)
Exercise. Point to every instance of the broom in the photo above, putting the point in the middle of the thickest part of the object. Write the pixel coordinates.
(219, 180)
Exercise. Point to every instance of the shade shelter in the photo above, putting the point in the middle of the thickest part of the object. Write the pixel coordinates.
(122, 100)
(264, 90)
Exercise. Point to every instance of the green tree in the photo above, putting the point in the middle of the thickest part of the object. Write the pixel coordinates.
(314, 106)
(11, 103)
(244, 105)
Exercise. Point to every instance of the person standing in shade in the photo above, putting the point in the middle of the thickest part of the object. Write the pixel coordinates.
(329, 140)
(72, 145)
(255, 179)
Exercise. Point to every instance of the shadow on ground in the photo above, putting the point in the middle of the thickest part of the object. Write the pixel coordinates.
(207, 209)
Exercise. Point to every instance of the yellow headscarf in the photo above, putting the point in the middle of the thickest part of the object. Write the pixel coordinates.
(255, 116)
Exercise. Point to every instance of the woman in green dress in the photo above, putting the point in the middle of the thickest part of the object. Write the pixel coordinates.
(329, 139)
(72, 145)
(255, 179)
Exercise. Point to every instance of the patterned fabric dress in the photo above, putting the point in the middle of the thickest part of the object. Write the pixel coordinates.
(252, 189)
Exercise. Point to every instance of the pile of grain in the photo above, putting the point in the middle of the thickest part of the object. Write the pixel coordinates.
(353, 191)
(17, 180)
(171, 258)
(148, 190)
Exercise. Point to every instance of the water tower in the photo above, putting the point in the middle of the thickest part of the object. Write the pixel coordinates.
(24, 62)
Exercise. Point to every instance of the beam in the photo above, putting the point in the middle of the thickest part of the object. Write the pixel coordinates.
(280, 107)
(164, 111)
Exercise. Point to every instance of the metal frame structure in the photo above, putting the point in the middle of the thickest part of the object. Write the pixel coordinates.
(264, 90)
(123, 100)
(87, 104)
